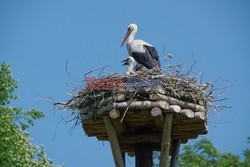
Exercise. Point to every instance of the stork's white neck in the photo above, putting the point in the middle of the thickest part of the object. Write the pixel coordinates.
(131, 37)
(130, 66)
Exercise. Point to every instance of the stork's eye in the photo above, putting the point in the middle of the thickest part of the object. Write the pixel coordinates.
(129, 29)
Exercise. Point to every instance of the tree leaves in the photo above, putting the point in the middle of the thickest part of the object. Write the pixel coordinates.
(7, 85)
(16, 149)
(203, 153)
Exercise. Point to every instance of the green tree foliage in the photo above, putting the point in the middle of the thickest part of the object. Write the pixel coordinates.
(15, 147)
(203, 153)
(246, 154)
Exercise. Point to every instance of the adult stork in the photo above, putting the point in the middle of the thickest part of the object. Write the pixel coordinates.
(141, 51)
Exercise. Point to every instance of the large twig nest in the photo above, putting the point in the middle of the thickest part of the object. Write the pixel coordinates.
(97, 92)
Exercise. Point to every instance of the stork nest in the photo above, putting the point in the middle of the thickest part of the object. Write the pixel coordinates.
(137, 85)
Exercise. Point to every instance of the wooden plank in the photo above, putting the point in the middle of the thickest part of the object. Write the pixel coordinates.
(175, 153)
(166, 137)
(140, 138)
(191, 126)
(177, 130)
(184, 138)
(151, 139)
(113, 142)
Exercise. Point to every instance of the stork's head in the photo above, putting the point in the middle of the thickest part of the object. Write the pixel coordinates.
(129, 61)
(132, 29)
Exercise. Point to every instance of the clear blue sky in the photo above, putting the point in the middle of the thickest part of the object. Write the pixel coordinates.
(38, 36)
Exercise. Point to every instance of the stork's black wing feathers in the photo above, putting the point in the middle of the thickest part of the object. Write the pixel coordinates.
(144, 59)
(149, 58)
(154, 54)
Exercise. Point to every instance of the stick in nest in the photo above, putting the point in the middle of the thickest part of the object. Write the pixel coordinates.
(128, 106)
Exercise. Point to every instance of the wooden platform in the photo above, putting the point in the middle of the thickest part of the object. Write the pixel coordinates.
(143, 123)
(142, 112)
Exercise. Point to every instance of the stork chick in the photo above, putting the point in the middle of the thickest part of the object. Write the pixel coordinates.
(130, 63)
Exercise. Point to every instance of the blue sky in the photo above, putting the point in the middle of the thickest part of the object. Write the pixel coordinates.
(38, 36)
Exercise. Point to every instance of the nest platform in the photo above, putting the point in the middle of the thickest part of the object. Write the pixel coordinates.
(152, 108)
(137, 107)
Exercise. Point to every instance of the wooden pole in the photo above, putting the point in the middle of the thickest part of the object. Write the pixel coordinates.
(124, 158)
(175, 153)
(144, 155)
(166, 138)
(113, 142)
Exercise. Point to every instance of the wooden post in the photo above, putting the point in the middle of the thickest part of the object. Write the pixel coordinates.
(175, 153)
(124, 158)
(166, 138)
(144, 155)
(113, 142)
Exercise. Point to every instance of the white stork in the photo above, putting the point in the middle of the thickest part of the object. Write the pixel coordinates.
(130, 63)
(141, 51)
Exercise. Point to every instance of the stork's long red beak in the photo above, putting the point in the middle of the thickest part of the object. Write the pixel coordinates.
(126, 37)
